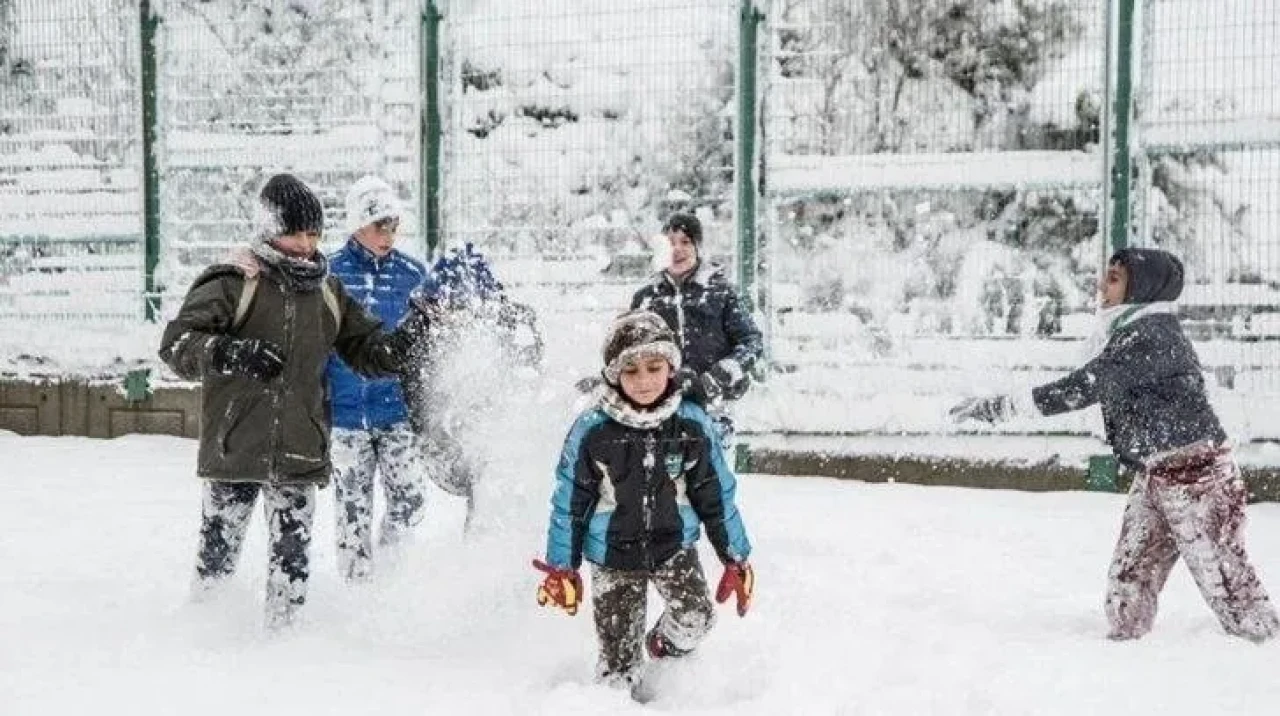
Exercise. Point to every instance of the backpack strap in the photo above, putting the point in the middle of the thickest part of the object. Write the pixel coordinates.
(331, 300)
(246, 299)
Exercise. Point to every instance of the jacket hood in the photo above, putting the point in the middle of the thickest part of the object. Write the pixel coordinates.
(1154, 275)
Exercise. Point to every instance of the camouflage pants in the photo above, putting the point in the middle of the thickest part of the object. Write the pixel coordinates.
(359, 455)
(227, 507)
(1191, 504)
(619, 600)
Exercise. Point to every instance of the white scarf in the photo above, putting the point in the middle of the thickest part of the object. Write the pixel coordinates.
(1110, 320)
(625, 412)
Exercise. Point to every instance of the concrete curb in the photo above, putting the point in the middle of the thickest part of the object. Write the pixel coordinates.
(1263, 482)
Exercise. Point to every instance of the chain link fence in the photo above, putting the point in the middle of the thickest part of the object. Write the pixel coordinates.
(70, 158)
(328, 90)
(934, 182)
(1207, 122)
(572, 129)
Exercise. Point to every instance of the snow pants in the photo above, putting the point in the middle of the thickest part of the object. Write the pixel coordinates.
(227, 507)
(1189, 503)
(359, 456)
(619, 600)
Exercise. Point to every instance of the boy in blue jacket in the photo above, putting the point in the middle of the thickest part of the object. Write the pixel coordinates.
(641, 473)
(371, 431)
(1187, 497)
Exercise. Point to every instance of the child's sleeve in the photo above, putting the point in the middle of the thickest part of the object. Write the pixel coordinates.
(711, 488)
(362, 342)
(1128, 360)
(207, 312)
(574, 500)
(745, 338)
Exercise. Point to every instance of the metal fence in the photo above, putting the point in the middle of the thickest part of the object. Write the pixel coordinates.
(70, 159)
(915, 194)
(572, 128)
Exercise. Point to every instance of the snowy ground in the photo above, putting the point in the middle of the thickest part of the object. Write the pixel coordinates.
(872, 599)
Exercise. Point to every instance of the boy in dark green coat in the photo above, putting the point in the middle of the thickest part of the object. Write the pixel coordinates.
(259, 344)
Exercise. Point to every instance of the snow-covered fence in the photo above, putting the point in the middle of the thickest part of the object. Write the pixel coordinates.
(327, 89)
(1207, 150)
(572, 128)
(70, 158)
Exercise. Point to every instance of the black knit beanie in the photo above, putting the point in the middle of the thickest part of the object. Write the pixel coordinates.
(289, 207)
(689, 224)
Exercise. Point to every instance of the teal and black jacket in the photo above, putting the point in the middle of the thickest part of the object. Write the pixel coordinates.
(630, 497)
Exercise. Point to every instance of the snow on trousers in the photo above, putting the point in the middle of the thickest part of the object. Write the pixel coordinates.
(1190, 504)
(619, 600)
(289, 509)
(358, 455)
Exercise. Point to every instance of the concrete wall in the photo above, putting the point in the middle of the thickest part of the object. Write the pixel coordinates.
(93, 409)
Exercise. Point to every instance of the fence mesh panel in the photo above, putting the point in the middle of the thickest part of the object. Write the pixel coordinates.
(934, 180)
(328, 90)
(70, 225)
(1208, 131)
(572, 129)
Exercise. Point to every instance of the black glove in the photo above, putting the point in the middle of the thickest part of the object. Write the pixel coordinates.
(990, 409)
(411, 331)
(698, 387)
(729, 378)
(251, 358)
(588, 384)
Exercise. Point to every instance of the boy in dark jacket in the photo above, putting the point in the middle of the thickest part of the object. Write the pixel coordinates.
(638, 473)
(259, 345)
(1187, 496)
(719, 341)
(371, 431)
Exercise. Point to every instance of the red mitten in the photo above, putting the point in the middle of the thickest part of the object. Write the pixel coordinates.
(562, 587)
(738, 579)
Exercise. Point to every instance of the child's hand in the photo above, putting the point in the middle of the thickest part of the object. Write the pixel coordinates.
(740, 579)
(990, 409)
(562, 587)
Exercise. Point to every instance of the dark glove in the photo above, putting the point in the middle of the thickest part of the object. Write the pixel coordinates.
(561, 587)
(251, 358)
(738, 579)
(989, 409)
(729, 378)
(588, 384)
(695, 386)
(411, 331)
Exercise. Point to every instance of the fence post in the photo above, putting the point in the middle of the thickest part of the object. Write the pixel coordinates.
(430, 127)
(745, 157)
(150, 176)
(1119, 115)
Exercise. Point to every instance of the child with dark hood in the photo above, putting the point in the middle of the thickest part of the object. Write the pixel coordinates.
(258, 341)
(641, 474)
(1187, 498)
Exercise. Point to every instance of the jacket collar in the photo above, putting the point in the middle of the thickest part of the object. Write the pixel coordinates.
(364, 256)
(701, 276)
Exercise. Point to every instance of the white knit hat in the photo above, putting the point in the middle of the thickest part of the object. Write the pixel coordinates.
(370, 200)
